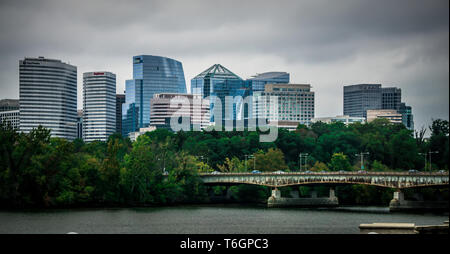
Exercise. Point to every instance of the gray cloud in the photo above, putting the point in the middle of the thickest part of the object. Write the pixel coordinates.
(325, 43)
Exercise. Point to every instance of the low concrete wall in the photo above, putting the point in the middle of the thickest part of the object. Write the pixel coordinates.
(407, 205)
(302, 202)
(387, 228)
(433, 229)
(402, 228)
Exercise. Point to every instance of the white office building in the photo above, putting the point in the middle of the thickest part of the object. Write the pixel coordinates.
(192, 107)
(10, 117)
(48, 96)
(391, 114)
(99, 105)
(295, 104)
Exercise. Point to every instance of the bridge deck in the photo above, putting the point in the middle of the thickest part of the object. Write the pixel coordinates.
(383, 179)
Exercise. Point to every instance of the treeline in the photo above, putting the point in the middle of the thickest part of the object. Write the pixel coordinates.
(37, 170)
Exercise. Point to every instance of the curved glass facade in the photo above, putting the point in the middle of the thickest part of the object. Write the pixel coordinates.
(151, 75)
(48, 96)
(258, 82)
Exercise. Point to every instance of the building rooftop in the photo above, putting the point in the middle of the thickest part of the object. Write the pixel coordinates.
(268, 75)
(9, 104)
(217, 71)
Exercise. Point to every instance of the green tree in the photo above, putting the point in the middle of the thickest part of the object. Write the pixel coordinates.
(378, 166)
(439, 142)
(339, 162)
(16, 152)
(110, 173)
(272, 160)
(141, 178)
(184, 184)
(319, 166)
(233, 165)
(403, 150)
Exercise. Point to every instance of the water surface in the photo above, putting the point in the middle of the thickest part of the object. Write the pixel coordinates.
(221, 219)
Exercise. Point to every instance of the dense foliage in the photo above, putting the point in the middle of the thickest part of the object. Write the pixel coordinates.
(37, 170)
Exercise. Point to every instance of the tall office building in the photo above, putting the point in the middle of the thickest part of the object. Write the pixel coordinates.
(359, 98)
(80, 124)
(257, 82)
(192, 107)
(9, 113)
(48, 96)
(407, 116)
(120, 100)
(391, 98)
(99, 105)
(218, 82)
(151, 75)
(295, 104)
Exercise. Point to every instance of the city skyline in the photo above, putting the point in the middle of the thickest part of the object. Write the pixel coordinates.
(395, 44)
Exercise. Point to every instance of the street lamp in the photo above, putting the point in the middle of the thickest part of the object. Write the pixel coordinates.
(430, 152)
(203, 157)
(252, 157)
(425, 157)
(164, 165)
(246, 156)
(362, 158)
(300, 156)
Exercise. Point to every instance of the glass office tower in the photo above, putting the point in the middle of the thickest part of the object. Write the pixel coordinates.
(407, 116)
(120, 99)
(151, 75)
(48, 96)
(219, 82)
(391, 98)
(258, 82)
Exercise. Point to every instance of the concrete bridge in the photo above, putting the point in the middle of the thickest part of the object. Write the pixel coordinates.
(395, 180)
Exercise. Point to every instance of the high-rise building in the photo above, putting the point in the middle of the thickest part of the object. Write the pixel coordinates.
(120, 100)
(192, 107)
(217, 82)
(258, 82)
(151, 75)
(391, 98)
(48, 96)
(99, 105)
(295, 103)
(359, 98)
(80, 124)
(407, 116)
(9, 112)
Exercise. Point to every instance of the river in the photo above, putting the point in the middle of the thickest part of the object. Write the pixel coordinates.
(210, 219)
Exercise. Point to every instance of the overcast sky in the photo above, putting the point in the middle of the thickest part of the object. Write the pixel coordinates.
(327, 44)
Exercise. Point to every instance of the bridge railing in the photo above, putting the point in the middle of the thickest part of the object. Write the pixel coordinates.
(332, 173)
